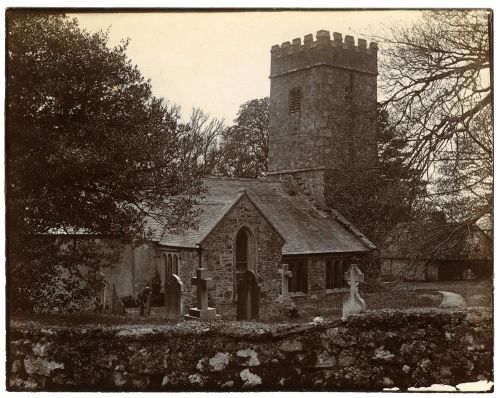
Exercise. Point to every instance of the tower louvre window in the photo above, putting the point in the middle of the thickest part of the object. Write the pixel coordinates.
(294, 100)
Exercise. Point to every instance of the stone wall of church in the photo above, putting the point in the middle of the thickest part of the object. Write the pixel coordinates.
(309, 182)
(338, 95)
(218, 253)
(135, 269)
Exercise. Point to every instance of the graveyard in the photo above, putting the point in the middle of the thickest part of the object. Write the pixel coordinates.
(392, 297)
(147, 251)
(397, 337)
(401, 338)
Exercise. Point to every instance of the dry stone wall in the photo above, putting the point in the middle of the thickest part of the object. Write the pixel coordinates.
(372, 351)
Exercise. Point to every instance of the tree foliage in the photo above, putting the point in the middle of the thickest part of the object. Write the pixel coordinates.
(375, 197)
(436, 76)
(88, 147)
(245, 145)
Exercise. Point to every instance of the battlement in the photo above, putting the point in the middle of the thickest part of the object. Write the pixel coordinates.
(339, 52)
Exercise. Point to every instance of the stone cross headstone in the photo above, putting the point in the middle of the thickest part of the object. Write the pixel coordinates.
(248, 297)
(173, 297)
(354, 304)
(285, 274)
(117, 306)
(202, 311)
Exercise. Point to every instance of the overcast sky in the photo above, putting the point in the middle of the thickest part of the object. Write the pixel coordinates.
(219, 60)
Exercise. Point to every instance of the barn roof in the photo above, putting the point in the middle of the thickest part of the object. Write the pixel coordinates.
(305, 229)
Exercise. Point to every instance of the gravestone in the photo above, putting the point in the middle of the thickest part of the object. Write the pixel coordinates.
(202, 311)
(173, 297)
(145, 302)
(157, 298)
(354, 304)
(117, 306)
(248, 297)
(285, 274)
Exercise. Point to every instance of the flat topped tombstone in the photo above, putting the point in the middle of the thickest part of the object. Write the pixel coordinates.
(173, 297)
(354, 304)
(248, 296)
(285, 275)
(202, 283)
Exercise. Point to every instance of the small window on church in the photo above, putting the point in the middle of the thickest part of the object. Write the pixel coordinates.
(175, 265)
(329, 275)
(335, 269)
(298, 282)
(241, 251)
(294, 100)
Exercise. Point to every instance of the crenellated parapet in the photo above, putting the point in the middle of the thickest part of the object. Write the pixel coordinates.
(336, 51)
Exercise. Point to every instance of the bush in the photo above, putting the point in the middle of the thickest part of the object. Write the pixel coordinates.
(130, 301)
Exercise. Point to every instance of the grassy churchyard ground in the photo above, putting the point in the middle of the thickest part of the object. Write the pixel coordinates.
(391, 295)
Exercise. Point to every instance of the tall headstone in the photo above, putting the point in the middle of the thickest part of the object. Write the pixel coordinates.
(145, 301)
(285, 274)
(248, 297)
(173, 297)
(354, 304)
(117, 306)
(202, 311)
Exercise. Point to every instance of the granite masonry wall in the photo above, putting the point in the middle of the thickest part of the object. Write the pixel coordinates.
(338, 95)
(372, 351)
(134, 270)
(218, 253)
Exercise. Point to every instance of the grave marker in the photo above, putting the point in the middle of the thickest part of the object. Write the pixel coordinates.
(202, 312)
(117, 306)
(354, 304)
(248, 297)
(145, 302)
(285, 274)
(173, 297)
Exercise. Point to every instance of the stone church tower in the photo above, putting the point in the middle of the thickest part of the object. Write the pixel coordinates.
(322, 109)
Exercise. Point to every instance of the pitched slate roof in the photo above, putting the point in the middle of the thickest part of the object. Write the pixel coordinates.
(305, 229)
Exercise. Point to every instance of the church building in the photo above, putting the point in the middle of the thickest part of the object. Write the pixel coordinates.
(318, 88)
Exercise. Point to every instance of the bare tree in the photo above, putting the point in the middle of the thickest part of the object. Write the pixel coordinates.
(201, 139)
(436, 81)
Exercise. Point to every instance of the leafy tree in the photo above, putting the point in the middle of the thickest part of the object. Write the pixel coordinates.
(245, 145)
(88, 147)
(436, 76)
(375, 197)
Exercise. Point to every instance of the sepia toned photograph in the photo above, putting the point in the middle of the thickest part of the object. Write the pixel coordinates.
(244, 200)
